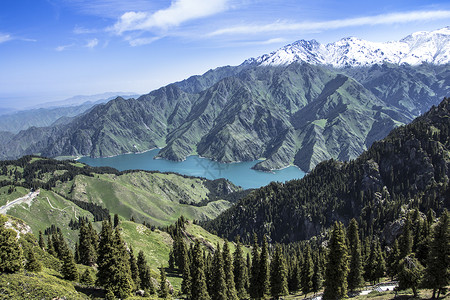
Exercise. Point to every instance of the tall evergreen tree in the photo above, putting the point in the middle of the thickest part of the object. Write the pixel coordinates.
(264, 270)
(121, 283)
(163, 288)
(11, 255)
(116, 220)
(198, 288)
(337, 265)
(41, 241)
(229, 275)
(354, 279)
(406, 238)
(218, 288)
(87, 278)
(307, 271)
(240, 271)
(437, 272)
(134, 270)
(317, 279)
(410, 273)
(69, 268)
(393, 260)
(278, 274)
(255, 263)
(86, 250)
(50, 248)
(105, 255)
(32, 264)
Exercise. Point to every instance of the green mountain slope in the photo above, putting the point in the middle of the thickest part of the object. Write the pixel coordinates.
(68, 190)
(408, 169)
(296, 114)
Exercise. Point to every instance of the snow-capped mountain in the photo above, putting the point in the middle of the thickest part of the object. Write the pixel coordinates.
(431, 47)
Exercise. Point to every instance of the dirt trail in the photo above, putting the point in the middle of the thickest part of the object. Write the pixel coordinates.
(25, 199)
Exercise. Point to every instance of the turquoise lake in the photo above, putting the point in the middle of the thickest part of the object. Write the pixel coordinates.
(238, 173)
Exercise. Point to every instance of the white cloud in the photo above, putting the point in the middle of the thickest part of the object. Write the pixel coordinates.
(92, 43)
(142, 41)
(179, 11)
(5, 37)
(82, 30)
(63, 47)
(384, 19)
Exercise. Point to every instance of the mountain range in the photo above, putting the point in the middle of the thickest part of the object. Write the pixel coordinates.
(298, 105)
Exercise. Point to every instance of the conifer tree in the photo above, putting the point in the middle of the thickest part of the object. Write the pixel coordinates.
(307, 271)
(163, 288)
(116, 220)
(198, 288)
(32, 264)
(278, 274)
(11, 255)
(134, 270)
(354, 279)
(41, 241)
(294, 275)
(437, 272)
(393, 260)
(410, 273)
(105, 255)
(264, 271)
(255, 263)
(121, 283)
(50, 248)
(379, 265)
(144, 272)
(228, 270)
(240, 271)
(87, 252)
(337, 265)
(218, 287)
(87, 278)
(187, 281)
(406, 238)
(68, 268)
(317, 278)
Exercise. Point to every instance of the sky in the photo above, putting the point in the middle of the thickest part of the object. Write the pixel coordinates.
(54, 49)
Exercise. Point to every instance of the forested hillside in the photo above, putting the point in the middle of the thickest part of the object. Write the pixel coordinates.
(408, 169)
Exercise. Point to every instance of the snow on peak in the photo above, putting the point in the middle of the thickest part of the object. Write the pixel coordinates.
(431, 47)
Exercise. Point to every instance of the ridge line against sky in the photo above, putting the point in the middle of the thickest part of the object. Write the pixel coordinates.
(53, 49)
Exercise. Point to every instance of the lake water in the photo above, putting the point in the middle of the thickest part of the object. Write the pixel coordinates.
(238, 173)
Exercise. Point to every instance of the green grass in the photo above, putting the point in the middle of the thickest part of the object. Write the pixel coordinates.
(46, 284)
(154, 198)
(40, 215)
(5, 197)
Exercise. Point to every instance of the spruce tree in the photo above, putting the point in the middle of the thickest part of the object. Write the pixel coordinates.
(307, 271)
(69, 268)
(144, 272)
(105, 255)
(406, 238)
(264, 271)
(32, 264)
(278, 274)
(410, 273)
(198, 288)
(87, 252)
(116, 220)
(163, 288)
(317, 279)
(337, 265)
(11, 255)
(50, 248)
(218, 287)
(255, 263)
(186, 284)
(122, 283)
(229, 275)
(354, 279)
(379, 265)
(393, 260)
(134, 270)
(87, 278)
(437, 272)
(240, 271)
(41, 241)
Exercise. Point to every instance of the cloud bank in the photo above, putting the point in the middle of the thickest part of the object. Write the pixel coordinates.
(179, 11)
(383, 19)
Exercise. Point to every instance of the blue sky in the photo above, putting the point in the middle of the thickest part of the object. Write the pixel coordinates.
(54, 49)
